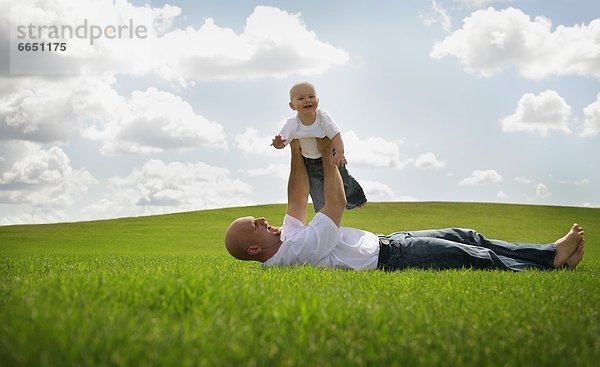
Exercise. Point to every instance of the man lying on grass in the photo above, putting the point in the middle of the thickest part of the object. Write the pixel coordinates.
(324, 243)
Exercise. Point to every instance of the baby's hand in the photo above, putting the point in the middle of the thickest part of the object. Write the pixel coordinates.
(278, 142)
(339, 160)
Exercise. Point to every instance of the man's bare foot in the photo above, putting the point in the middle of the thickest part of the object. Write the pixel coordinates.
(566, 245)
(577, 256)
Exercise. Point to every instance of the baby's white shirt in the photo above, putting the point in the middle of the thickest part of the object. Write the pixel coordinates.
(324, 125)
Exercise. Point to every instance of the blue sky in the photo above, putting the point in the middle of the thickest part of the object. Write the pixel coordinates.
(486, 101)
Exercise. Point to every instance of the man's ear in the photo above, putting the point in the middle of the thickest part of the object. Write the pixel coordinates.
(292, 106)
(253, 250)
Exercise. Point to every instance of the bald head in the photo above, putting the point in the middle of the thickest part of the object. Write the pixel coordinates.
(237, 238)
(249, 238)
(302, 87)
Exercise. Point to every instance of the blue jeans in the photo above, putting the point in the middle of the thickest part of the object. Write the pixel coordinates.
(355, 195)
(456, 248)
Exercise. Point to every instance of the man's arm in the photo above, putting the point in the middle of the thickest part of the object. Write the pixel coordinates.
(298, 185)
(335, 197)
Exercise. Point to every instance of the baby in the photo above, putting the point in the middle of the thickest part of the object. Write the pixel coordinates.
(308, 124)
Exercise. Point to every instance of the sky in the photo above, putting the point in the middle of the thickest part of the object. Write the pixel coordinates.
(159, 107)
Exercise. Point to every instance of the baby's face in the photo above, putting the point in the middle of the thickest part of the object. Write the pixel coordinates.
(304, 99)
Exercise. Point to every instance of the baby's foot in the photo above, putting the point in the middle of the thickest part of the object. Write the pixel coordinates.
(577, 256)
(567, 244)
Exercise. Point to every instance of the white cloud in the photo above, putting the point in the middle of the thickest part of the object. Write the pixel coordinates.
(438, 14)
(592, 119)
(481, 3)
(159, 187)
(369, 152)
(429, 161)
(480, 177)
(542, 191)
(250, 142)
(44, 179)
(378, 191)
(501, 195)
(155, 121)
(106, 56)
(539, 114)
(281, 171)
(12, 151)
(274, 43)
(524, 180)
(584, 181)
(491, 40)
(373, 152)
(42, 110)
(34, 215)
(29, 115)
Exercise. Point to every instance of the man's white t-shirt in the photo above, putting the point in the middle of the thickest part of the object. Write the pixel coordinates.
(323, 244)
(295, 129)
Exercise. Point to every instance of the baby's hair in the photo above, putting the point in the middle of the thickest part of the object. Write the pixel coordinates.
(301, 84)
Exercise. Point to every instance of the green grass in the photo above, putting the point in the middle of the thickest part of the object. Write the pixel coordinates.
(162, 291)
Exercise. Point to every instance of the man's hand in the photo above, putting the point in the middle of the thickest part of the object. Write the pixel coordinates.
(278, 142)
(339, 160)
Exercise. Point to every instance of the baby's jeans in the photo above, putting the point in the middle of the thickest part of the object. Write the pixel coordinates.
(355, 195)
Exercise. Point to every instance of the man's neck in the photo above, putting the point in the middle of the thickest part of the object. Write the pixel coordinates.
(269, 252)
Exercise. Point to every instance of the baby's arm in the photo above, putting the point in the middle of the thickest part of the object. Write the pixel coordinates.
(286, 134)
(338, 145)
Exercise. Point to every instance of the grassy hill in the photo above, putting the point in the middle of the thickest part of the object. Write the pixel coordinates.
(162, 290)
(202, 232)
